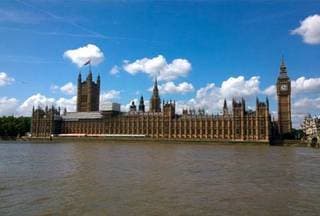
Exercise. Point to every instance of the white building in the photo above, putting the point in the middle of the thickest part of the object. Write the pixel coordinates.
(311, 126)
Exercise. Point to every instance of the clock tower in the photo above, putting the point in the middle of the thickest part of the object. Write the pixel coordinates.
(284, 100)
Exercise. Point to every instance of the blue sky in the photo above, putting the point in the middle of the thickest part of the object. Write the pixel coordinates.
(221, 40)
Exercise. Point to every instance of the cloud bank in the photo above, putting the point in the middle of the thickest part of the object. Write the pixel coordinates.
(109, 96)
(81, 55)
(158, 66)
(69, 88)
(114, 70)
(8, 106)
(172, 88)
(309, 29)
(5, 79)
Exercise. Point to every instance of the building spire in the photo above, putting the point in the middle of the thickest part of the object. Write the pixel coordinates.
(156, 82)
(225, 107)
(155, 98)
(79, 79)
(282, 60)
(98, 80)
(90, 75)
(141, 104)
(155, 87)
(283, 68)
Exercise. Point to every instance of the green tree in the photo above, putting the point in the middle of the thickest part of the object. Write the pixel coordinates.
(11, 127)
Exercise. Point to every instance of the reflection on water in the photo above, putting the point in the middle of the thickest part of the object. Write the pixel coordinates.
(158, 179)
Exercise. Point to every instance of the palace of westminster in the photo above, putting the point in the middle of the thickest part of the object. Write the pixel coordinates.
(161, 121)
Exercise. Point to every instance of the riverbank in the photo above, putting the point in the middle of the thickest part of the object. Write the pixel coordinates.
(143, 139)
(288, 143)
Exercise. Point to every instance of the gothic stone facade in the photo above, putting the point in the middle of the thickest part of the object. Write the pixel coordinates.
(284, 100)
(239, 124)
(161, 121)
(88, 94)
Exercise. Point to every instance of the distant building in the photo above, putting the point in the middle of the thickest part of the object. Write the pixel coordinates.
(311, 126)
(115, 107)
(161, 121)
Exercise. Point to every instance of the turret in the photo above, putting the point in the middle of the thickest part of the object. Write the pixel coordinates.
(89, 77)
(133, 107)
(79, 78)
(169, 109)
(79, 91)
(88, 95)
(225, 107)
(89, 90)
(243, 102)
(141, 104)
(98, 81)
(155, 100)
(238, 108)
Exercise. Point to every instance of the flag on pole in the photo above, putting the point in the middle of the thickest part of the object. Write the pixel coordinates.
(88, 62)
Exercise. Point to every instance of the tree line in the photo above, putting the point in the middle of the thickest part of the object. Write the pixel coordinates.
(12, 127)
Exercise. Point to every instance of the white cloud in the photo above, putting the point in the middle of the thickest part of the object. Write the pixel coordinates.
(41, 100)
(171, 87)
(302, 107)
(109, 96)
(270, 91)
(302, 85)
(35, 100)
(8, 106)
(239, 87)
(211, 97)
(69, 88)
(81, 55)
(115, 70)
(309, 29)
(69, 103)
(208, 97)
(159, 67)
(5, 79)
(54, 88)
(305, 104)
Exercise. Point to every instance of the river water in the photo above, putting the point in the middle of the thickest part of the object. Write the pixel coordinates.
(158, 179)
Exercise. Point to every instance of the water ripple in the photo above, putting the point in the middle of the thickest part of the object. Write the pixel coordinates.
(157, 179)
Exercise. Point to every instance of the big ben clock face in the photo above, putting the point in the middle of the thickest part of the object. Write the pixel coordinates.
(284, 87)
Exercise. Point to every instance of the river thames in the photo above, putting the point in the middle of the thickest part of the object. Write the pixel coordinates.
(158, 179)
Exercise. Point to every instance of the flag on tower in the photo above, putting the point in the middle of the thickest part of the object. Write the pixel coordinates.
(88, 62)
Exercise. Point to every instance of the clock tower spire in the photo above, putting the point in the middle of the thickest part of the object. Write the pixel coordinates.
(284, 100)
